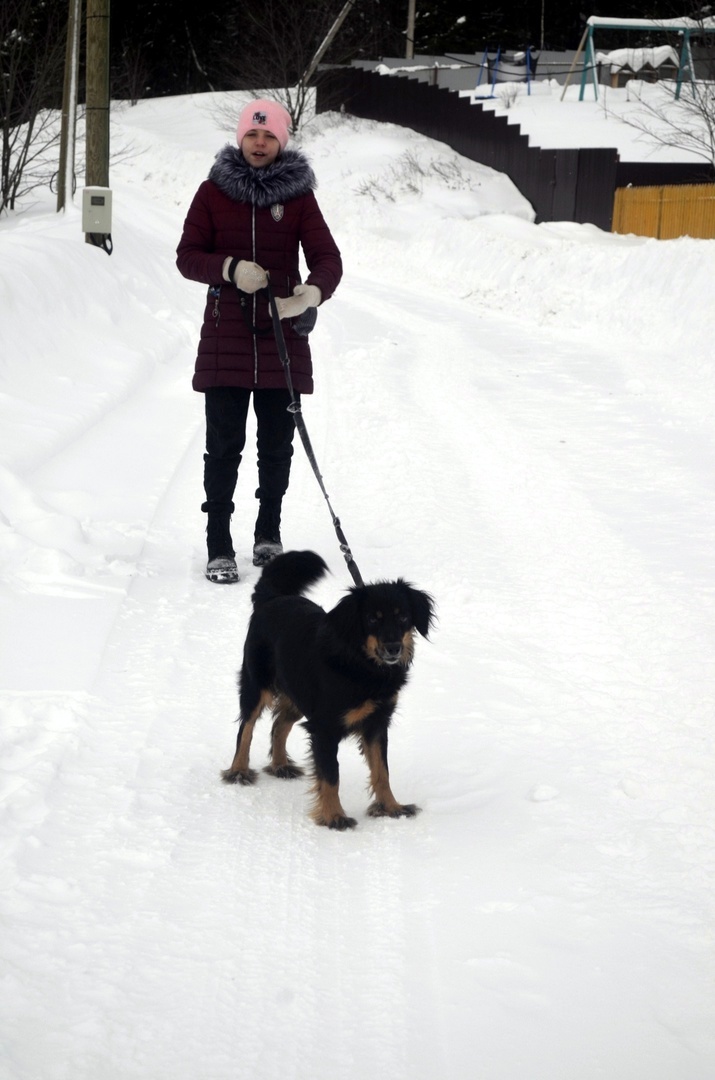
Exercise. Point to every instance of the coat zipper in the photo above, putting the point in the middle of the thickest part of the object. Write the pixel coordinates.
(255, 339)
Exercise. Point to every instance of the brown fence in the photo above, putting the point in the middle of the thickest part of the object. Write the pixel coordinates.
(666, 211)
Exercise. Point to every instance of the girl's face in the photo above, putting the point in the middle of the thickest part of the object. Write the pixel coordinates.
(260, 147)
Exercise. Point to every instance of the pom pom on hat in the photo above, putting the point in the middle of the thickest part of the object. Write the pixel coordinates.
(265, 114)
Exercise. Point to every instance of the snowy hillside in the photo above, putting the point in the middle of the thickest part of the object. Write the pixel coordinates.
(517, 418)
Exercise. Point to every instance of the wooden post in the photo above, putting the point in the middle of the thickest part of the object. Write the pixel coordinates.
(575, 62)
(326, 42)
(65, 175)
(410, 44)
(97, 170)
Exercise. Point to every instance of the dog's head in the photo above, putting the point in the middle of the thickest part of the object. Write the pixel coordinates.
(380, 620)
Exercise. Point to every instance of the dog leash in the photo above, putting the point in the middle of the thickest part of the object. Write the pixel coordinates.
(295, 409)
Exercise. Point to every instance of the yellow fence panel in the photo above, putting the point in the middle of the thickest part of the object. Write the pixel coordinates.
(637, 210)
(666, 211)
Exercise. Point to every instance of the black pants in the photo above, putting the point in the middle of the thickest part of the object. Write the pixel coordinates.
(226, 413)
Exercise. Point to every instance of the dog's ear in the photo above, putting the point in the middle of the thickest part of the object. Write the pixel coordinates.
(422, 610)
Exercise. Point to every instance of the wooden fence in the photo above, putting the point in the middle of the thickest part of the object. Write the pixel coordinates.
(666, 211)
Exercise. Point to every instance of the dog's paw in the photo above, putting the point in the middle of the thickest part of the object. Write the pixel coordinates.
(378, 809)
(246, 777)
(289, 771)
(339, 822)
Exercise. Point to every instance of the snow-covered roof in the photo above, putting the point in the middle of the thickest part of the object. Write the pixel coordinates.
(635, 59)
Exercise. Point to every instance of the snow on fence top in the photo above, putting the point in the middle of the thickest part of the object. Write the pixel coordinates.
(684, 23)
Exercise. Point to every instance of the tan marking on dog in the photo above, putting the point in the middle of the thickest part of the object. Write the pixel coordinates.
(354, 717)
(371, 645)
(243, 744)
(379, 776)
(285, 714)
(326, 807)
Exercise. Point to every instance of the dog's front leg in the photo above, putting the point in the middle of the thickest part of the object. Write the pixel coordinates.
(327, 809)
(386, 805)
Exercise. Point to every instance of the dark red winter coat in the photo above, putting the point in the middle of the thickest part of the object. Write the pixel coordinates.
(265, 215)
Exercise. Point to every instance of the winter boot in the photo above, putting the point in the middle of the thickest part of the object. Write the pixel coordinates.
(267, 534)
(221, 567)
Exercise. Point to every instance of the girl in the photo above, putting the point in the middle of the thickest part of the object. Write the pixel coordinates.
(249, 220)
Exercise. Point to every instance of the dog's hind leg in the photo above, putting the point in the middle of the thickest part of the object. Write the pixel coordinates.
(327, 809)
(239, 772)
(285, 714)
(385, 804)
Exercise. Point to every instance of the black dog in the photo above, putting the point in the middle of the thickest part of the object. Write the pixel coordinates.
(340, 670)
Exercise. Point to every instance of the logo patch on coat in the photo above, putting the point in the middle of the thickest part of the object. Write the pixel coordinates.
(277, 211)
(260, 118)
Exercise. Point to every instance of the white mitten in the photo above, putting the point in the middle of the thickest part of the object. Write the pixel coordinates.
(304, 296)
(247, 276)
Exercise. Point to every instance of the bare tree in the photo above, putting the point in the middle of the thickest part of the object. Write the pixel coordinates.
(195, 58)
(133, 72)
(685, 123)
(32, 53)
(274, 45)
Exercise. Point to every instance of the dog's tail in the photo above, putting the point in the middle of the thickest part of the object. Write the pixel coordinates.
(288, 575)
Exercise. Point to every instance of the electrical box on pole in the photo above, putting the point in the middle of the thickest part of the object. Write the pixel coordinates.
(97, 210)
(97, 217)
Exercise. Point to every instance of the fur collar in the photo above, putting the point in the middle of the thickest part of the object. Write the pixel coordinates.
(289, 176)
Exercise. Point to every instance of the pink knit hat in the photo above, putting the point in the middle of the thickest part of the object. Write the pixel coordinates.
(264, 114)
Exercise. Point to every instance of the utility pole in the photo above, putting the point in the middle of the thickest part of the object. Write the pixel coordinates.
(410, 45)
(65, 176)
(326, 43)
(97, 171)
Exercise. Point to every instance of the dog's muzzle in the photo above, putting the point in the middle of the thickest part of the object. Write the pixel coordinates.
(391, 652)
